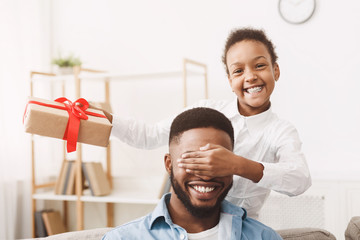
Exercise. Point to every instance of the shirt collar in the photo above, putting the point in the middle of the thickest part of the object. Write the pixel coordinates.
(231, 110)
(253, 123)
(229, 208)
(257, 123)
(161, 211)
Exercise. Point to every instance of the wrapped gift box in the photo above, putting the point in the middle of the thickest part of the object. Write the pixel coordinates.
(52, 122)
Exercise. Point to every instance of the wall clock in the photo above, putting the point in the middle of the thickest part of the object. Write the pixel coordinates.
(296, 11)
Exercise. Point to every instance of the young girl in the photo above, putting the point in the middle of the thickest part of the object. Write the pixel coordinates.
(267, 153)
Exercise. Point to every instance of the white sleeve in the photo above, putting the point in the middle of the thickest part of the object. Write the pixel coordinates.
(139, 134)
(142, 135)
(290, 174)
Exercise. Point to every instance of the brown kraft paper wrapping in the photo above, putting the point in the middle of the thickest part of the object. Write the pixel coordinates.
(51, 122)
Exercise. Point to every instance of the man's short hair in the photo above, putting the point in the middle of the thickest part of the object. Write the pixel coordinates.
(200, 117)
(242, 34)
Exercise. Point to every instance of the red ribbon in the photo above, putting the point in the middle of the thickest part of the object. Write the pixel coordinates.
(76, 111)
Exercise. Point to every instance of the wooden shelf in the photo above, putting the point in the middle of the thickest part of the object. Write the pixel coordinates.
(117, 76)
(136, 190)
(49, 195)
(129, 190)
(115, 197)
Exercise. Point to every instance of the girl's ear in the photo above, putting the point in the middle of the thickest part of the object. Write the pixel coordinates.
(167, 162)
(276, 71)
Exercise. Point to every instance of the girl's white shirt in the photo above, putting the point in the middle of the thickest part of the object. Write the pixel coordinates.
(264, 138)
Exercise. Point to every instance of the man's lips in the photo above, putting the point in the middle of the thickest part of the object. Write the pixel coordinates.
(205, 190)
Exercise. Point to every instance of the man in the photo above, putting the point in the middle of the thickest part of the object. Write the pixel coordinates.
(196, 209)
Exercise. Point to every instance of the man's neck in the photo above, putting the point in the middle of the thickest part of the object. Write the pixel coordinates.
(192, 224)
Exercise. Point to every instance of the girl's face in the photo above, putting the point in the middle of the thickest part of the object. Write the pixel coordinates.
(251, 76)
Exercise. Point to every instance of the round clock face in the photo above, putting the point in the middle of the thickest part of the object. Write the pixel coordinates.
(296, 11)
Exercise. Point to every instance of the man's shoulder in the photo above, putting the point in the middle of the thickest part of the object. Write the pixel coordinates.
(147, 227)
(230, 208)
(132, 228)
(260, 230)
(251, 228)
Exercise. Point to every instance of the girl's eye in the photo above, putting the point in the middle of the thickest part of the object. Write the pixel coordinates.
(237, 71)
(260, 65)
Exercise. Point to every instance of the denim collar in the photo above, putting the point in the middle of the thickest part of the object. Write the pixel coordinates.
(161, 212)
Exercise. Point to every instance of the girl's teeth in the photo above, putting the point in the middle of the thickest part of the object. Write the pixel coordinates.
(254, 90)
(203, 189)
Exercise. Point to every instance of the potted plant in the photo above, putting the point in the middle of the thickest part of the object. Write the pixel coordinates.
(65, 65)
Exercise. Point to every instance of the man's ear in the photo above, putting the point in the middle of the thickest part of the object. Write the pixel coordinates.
(276, 71)
(167, 162)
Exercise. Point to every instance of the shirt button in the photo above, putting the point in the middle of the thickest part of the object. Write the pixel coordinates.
(182, 236)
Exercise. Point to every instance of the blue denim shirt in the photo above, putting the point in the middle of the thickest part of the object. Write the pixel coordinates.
(234, 225)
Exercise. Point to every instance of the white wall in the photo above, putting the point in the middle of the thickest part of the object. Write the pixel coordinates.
(317, 90)
(24, 45)
(318, 86)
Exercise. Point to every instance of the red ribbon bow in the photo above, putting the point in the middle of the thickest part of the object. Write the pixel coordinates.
(76, 111)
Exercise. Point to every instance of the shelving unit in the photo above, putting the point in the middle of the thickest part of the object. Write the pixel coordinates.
(127, 195)
(138, 196)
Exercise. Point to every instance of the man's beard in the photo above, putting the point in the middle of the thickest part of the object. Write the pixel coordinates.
(199, 212)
